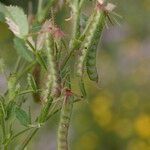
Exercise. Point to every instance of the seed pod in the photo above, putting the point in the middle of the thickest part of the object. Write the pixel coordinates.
(53, 75)
(90, 37)
(90, 43)
(64, 123)
(76, 23)
(91, 54)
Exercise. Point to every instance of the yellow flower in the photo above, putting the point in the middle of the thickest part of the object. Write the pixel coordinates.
(101, 109)
(142, 126)
(123, 127)
(138, 144)
(130, 100)
(88, 141)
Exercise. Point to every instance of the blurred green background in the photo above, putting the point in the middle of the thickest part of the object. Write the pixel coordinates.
(117, 113)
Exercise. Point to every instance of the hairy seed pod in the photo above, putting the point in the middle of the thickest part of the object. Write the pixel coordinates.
(76, 24)
(53, 76)
(92, 35)
(64, 123)
(91, 54)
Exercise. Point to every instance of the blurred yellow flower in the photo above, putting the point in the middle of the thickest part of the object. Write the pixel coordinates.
(130, 100)
(123, 127)
(142, 126)
(101, 109)
(88, 141)
(138, 145)
(146, 5)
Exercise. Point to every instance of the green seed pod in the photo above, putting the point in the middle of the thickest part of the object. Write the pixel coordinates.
(64, 123)
(90, 44)
(91, 54)
(53, 76)
(76, 24)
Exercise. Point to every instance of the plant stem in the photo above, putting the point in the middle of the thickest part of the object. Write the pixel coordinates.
(76, 44)
(28, 139)
(2, 113)
(17, 64)
(3, 120)
(45, 111)
(57, 110)
(45, 11)
(28, 91)
(16, 135)
(40, 2)
(47, 117)
(42, 119)
(27, 69)
(81, 3)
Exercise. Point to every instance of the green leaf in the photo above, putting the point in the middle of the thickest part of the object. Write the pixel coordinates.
(2, 18)
(22, 116)
(16, 20)
(19, 17)
(41, 60)
(22, 49)
(12, 82)
(32, 83)
(10, 110)
(2, 109)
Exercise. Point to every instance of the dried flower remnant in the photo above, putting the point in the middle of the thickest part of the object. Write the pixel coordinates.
(48, 27)
(58, 33)
(13, 26)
